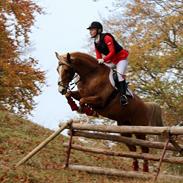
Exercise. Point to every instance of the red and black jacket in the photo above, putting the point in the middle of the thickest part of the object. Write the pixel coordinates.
(109, 47)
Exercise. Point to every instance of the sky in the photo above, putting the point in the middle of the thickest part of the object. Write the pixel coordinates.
(62, 29)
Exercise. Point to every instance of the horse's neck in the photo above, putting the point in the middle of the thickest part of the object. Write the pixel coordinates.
(85, 68)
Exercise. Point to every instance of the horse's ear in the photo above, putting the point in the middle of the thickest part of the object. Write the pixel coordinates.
(57, 55)
(68, 57)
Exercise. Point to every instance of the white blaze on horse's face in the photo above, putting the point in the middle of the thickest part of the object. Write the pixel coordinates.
(61, 88)
(65, 72)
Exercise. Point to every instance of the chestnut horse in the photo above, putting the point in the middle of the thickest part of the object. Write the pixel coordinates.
(95, 89)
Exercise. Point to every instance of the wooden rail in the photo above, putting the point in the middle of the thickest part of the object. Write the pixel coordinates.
(126, 140)
(125, 174)
(130, 129)
(147, 156)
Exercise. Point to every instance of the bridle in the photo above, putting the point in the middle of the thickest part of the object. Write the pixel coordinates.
(73, 83)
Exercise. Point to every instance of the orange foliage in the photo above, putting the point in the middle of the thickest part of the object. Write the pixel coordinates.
(20, 79)
(152, 30)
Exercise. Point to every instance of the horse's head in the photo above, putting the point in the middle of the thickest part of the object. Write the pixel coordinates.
(65, 71)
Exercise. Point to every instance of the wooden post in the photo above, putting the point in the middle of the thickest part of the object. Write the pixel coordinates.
(161, 160)
(43, 144)
(69, 146)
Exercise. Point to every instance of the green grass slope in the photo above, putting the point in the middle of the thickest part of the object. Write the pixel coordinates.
(19, 136)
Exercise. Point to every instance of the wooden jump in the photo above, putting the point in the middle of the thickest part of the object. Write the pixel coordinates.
(112, 133)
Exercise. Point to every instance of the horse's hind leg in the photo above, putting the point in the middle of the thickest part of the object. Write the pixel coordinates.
(144, 150)
(133, 149)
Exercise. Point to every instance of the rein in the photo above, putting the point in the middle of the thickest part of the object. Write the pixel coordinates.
(73, 83)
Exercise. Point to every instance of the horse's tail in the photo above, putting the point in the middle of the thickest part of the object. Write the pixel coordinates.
(155, 114)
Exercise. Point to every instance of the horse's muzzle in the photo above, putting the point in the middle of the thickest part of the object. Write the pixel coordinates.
(62, 90)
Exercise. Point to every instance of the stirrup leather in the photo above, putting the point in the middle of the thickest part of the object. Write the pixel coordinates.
(124, 100)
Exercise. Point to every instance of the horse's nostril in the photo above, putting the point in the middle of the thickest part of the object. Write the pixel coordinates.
(64, 91)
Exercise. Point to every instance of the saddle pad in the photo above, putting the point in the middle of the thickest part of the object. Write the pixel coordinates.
(111, 79)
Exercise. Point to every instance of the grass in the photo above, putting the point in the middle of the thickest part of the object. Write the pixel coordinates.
(19, 136)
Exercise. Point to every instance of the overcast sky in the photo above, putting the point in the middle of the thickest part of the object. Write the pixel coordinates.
(62, 29)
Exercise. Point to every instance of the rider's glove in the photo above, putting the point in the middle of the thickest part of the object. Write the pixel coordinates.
(100, 61)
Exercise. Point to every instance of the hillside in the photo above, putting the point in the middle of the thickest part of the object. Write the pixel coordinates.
(19, 136)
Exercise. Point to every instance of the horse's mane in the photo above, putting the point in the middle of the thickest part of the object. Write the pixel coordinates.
(84, 57)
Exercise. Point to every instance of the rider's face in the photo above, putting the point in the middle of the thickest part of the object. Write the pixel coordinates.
(93, 32)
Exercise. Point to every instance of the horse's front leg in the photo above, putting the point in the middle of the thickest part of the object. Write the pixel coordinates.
(92, 100)
(69, 96)
(73, 94)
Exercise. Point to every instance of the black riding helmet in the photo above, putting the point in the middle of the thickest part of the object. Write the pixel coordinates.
(96, 25)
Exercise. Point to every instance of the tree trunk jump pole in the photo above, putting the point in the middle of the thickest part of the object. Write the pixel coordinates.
(69, 146)
(168, 135)
(44, 143)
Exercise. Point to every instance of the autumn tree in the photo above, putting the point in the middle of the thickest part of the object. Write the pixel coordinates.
(20, 77)
(152, 31)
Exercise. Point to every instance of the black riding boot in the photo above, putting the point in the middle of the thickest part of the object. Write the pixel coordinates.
(122, 87)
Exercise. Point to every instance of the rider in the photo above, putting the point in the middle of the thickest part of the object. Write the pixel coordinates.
(109, 52)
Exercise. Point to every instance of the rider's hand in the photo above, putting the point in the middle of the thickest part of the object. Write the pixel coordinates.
(100, 61)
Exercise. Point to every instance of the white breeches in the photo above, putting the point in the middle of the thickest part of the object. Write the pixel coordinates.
(121, 68)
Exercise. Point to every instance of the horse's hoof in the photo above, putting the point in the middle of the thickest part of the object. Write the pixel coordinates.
(135, 166)
(95, 114)
(136, 169)
(81, 102)
(145, 168)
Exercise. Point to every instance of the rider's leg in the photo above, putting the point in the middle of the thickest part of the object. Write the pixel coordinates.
(121, 68)
(122, 87)
(110, 65)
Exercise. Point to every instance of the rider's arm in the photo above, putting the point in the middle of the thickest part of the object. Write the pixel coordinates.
(110, 44)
